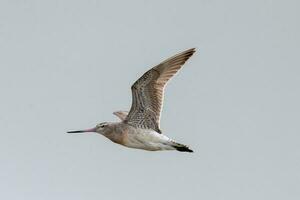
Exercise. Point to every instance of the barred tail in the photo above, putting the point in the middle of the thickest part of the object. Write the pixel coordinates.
(181, 147)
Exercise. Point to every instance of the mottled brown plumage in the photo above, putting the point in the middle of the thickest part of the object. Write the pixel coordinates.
(140, 127)
(148, 92)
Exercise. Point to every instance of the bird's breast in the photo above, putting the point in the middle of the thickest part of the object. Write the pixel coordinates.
(118, 136)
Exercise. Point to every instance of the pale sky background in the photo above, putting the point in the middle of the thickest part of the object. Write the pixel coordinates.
(69, 64)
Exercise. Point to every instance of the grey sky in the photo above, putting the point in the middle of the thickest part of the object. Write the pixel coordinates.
(70, 64)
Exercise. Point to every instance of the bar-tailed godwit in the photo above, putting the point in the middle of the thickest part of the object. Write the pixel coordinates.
(139, 128)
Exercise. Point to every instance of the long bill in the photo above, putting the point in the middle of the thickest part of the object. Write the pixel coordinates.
(83, 131)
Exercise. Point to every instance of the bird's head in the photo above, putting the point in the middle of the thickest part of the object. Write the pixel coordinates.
(101, 128)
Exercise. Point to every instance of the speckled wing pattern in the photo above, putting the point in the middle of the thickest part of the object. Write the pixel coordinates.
(148, 92)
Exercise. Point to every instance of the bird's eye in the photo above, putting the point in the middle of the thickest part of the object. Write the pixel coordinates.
(101, 125)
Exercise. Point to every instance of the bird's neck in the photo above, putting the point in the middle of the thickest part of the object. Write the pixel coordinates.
(115, 133)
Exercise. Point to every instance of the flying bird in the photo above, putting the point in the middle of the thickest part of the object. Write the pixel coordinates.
(140, 127)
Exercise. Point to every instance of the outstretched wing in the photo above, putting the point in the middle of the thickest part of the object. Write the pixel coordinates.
(148, 92)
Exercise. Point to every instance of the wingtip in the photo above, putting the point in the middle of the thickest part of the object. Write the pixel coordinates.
(193, 49)
(189, 52)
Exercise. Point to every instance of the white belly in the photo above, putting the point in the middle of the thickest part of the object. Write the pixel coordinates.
(147, 140)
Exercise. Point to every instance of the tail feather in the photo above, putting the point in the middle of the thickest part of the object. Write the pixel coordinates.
(182, 147)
